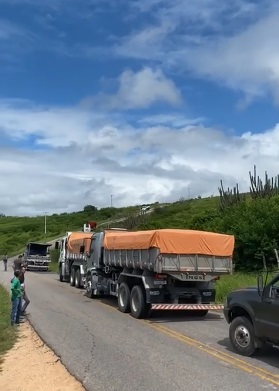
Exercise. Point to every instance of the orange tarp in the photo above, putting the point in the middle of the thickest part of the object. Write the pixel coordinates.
(172, 241)
(78, 239)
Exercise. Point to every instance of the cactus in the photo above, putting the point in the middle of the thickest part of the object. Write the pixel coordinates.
(258, 189)
(229, 197)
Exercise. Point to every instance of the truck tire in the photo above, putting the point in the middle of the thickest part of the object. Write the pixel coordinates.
(77, 279)
(242, 336)
(89, 290)
(61, 278)
(72, 276)
(124, 296)
(139, 307)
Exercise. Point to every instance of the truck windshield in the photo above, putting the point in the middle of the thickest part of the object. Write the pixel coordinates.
(37, 249)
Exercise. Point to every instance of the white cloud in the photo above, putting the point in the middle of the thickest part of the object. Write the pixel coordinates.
(92, 157)
(140, 90)
(248, 61)
(234, 43)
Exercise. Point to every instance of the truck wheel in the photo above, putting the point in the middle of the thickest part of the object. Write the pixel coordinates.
(72, 276)
(77, 279)
(89, 290)
(242, 336)
(139, 307)
(61, 278)
(124, 295)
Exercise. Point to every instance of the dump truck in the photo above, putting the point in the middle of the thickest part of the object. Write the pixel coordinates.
(36, 256)
(73, 257)
(165, 269)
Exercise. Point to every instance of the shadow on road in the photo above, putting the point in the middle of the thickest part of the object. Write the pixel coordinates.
(268, 355)
(168, 316)
(40, 272)
(183, 316)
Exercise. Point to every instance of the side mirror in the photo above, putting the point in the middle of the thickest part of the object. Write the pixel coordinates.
(260, 285)
(82, 249)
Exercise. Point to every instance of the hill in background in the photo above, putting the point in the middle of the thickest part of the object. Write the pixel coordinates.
(15, 232)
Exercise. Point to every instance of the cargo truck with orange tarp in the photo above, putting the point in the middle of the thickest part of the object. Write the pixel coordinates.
(74, 248)
(166, 269)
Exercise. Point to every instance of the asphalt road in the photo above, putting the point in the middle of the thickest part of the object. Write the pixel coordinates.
(108, 350)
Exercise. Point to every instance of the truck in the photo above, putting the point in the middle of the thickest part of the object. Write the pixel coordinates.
(164, 269)
(74, 248)
(36, 256)
(253, 316)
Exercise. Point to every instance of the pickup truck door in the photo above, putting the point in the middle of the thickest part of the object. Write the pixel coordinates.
(268, 315)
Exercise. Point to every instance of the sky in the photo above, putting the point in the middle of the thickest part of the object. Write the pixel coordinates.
(145, 100)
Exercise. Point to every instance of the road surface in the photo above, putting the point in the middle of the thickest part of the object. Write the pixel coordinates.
(108, 350)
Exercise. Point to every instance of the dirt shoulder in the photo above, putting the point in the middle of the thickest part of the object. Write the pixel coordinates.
(31, 365)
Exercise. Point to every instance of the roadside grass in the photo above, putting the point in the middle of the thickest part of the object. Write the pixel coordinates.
(229, 283)
(54, 256)
(53, 267)
(8, 334)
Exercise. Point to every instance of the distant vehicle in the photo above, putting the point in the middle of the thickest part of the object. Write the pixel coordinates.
(253, 316)
(148, 270)
(36, 256)
(144, 208)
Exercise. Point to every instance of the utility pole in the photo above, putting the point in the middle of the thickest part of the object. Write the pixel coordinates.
(45, 222)
(111, 200)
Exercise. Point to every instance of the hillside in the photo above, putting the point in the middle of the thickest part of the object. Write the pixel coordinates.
(15, 232)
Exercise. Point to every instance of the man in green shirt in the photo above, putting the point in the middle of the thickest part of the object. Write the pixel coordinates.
(16, 299)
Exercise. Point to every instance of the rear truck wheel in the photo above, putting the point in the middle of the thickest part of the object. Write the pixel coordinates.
(139, 308)
(242, 336)
(89, 290)
(77, 279)
(61, 278)
(72, 276)
(124, 296)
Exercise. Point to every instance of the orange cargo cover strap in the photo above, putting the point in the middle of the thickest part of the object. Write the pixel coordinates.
(172, 241)
(78, 239)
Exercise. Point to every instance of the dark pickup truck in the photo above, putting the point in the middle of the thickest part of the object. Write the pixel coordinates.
(253, 315)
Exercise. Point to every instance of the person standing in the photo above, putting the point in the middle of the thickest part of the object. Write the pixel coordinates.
(24, 294)
(5, 260)
(16, 299)
(17, 265)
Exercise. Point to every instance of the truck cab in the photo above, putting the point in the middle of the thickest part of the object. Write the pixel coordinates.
(37, 256)
(253, 316)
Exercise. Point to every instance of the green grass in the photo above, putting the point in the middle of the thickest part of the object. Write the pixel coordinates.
(53, 267)
(229, 283)
(8, 334)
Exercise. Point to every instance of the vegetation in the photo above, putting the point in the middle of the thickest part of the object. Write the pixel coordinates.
(7, 332)
(54, 256)
(15, 232)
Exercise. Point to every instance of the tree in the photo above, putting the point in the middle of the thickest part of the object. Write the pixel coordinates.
(90, 209)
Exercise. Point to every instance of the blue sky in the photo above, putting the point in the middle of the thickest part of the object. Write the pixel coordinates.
(137, 98)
